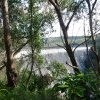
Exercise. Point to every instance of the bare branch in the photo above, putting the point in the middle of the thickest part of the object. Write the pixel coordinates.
(53, 3)
(85, 41)
(93, 5)
(61, 22)
(89, 5)
(56, 1)
(74, 12)
(2, 67)
(82, 43)
(61, 46)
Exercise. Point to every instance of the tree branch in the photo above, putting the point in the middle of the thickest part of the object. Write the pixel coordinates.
(2, 67)
(93, 5)
(61, 46)
(53, 3)
(82, 43)
(85, 41)
(19, 49)
(76, 8)
(56, 1)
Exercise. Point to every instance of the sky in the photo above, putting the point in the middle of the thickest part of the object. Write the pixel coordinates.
(77, 28)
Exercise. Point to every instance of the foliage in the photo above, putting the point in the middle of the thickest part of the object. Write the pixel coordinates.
(20, 93)
(25, 27)
(79, 87)
(36, 90)
(58, 70)
(73, 87)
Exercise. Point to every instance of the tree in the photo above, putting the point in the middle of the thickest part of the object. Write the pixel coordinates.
(10, 66)
(64, 28)
(91, 8)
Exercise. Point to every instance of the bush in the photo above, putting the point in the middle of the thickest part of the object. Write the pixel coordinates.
(83, 86)
(79, 87)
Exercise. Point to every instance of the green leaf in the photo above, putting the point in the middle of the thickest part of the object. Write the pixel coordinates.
(80, 91)
(63, 86)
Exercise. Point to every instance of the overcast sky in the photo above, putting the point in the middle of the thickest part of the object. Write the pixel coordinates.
(77, 27)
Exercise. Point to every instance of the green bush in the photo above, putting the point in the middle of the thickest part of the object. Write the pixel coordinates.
(79, 87)
(83, 86)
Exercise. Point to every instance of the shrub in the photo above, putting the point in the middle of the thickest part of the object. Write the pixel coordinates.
(79, 87)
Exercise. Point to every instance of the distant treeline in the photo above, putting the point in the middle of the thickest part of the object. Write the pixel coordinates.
(73, 40)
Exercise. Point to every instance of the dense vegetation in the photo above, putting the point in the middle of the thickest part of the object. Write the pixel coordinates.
(23, 26)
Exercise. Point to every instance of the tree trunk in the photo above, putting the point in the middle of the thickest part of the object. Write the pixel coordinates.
(90, 8)
(67, 45)
(10, 67)
(94, 48)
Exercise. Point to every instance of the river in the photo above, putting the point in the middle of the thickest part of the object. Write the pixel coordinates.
(60, 55)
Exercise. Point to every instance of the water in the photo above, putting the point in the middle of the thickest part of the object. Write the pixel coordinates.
(59, 50)
(60, 55)
(47, 51)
